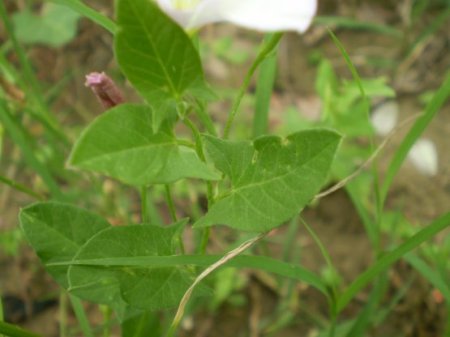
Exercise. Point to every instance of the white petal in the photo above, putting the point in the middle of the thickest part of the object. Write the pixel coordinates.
(384, 117)
(181, 16)
(263, 15)
(424, 156)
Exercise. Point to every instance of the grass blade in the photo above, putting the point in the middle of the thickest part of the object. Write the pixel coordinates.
(89, 13)
(19, 187)
(349, 23)
(18, 136)
(351, 67)
(389, 258)
(366, 315)
(428, 273)
(14, 331)
(29, 82)
(245, 261)
(417, 129)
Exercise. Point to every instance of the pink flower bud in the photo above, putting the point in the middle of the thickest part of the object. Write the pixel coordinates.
(105, 89)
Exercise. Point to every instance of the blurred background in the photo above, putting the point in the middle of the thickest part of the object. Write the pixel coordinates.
(401, 49)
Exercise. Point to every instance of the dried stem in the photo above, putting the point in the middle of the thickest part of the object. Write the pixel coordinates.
(227, 257)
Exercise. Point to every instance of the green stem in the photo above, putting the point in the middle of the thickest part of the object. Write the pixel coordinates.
(209, 186)
(106, 310)
(145, 214)
(173, 215)
(205, 118)
(170, 203)
(263, 94)
(266, 49)
(332, 330)
(2, 318)
(204, 242)
(11, 330)
(80, 313)
(62, 314)
(201, 155)
(19, 187)
(334, 293)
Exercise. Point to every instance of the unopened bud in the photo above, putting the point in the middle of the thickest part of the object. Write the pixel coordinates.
(105, 89)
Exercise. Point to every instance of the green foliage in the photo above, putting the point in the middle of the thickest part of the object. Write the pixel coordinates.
(80, 8)
(55, 26)
(138, 270)
(147, 324)
(343, 106)
(146, 287)
(121, 144)
(272, 183)
(10, 241)
(61, 232)
(56, 231)
(224, 48)
(155, 54)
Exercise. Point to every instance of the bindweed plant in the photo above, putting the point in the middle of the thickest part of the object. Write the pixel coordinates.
(251, 186)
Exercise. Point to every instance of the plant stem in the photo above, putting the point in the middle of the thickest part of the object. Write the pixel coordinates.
(332, 329)
(209, 186)
(223, 260)
(19, 187)
(204, 243)
(1, 313)
(62, 314)
(145, 214)
(205, 118)
(263, 94)
(201, 155)
(334, 292)
(106, 320)
(266, 49)
(170, 203)
(80, 313)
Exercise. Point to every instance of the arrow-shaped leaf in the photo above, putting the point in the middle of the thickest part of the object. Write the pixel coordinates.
(271, 183)
(121, 143)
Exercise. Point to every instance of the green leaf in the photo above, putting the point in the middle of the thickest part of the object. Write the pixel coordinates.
(147, 324)
(122, 144)
(80, 8)
(153, 51)
(54, 27)
(232, 158)
(282, 176)
(146, 287)
(56, 231)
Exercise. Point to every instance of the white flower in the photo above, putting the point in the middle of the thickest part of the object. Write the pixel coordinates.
(384, 117)
(424, 156)
(263, 15)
